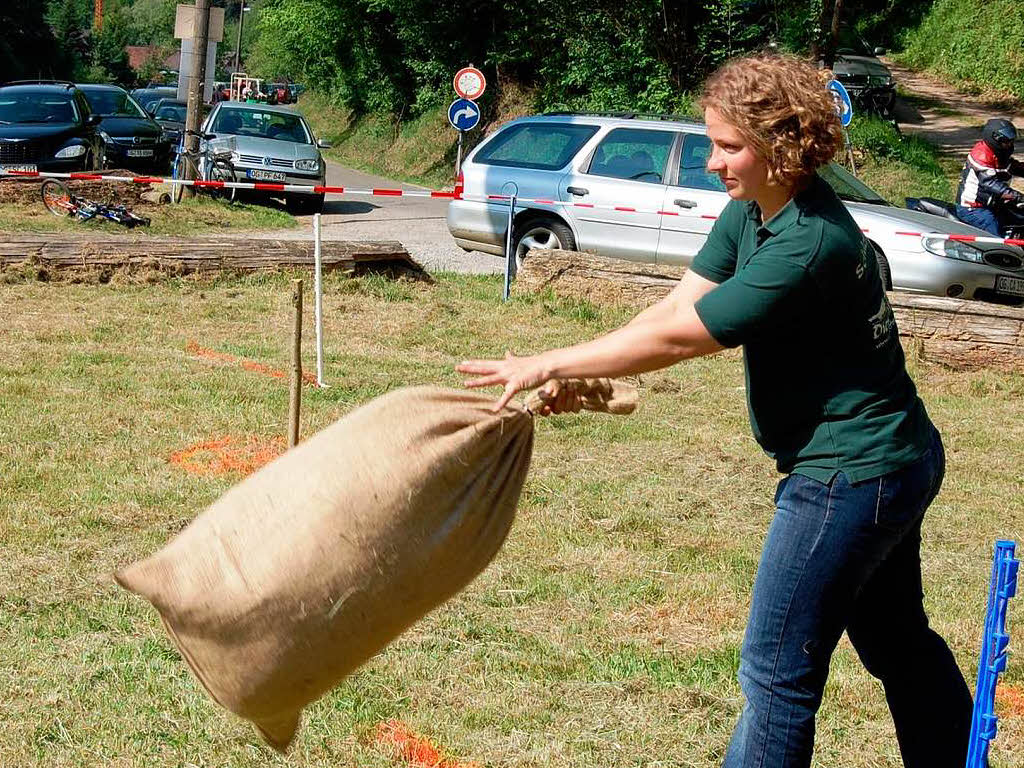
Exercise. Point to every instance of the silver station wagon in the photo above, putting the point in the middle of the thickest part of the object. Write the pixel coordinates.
(269, 143)
(597, 183)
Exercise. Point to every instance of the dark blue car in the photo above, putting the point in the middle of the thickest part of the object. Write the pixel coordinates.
(133, 139)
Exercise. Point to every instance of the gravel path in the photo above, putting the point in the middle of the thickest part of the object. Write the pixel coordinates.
(416, 222)
(942, 115)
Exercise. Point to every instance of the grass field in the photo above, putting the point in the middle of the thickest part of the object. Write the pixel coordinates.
(606, 633)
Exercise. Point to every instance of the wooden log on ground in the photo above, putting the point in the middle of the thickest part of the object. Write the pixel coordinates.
(58, 253)
(954, 332)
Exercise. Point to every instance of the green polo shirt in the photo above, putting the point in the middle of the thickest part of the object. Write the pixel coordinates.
(827, 385)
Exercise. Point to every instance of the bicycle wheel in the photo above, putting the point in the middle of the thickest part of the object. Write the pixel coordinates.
(57, 198)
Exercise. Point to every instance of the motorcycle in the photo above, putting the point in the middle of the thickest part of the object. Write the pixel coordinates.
(1012, 221)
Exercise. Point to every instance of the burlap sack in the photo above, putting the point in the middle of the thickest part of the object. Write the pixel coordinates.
(306, 569)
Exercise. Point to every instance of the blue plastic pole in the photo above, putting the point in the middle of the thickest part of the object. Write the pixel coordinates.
(994, 644)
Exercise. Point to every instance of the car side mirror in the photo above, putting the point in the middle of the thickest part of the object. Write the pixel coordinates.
(880, 51)
(93, 120)
(323, 144)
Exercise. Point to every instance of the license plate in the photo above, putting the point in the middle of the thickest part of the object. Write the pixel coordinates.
(267, 175)
(140, 153)
(1011, 285)
(26, 168)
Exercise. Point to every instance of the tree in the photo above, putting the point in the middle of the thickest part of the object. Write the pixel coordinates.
(109, 57)
(70, 21)
(27, 45)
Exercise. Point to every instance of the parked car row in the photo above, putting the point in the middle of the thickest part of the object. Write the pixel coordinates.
(60, 126)
(653, 165)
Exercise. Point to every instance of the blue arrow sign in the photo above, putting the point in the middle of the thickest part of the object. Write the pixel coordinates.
(463, 114)
(844, 107)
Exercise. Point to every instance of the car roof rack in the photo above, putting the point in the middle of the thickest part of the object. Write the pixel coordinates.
(626, 116)
(66, 83)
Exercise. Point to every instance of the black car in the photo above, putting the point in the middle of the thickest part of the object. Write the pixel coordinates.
(133, 139)
(170, 115)
(47, 126)
(150, 95)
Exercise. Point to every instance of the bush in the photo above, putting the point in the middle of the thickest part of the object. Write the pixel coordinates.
(898, 166)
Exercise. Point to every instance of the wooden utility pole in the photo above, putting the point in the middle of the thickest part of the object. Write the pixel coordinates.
(97, 15)
(201, 31)
(295, 395)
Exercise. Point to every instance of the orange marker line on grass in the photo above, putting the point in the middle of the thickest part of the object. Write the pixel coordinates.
(219, 457)
(415, 750)
(1012, 698)
(192, 348)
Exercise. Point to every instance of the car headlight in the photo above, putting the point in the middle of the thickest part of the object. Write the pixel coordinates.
(307, 165)
(76, 150)
(235, 157)
(881, 81)
(954, 249)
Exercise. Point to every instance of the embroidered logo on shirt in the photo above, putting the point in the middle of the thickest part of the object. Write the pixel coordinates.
(882, 322)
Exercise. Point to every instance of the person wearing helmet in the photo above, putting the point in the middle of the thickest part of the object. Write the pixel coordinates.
(985, 198)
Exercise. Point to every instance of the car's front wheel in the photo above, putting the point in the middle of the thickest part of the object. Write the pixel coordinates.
(883, 268)
(542, 234)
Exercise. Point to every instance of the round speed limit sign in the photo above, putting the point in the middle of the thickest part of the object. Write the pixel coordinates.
(469, 83)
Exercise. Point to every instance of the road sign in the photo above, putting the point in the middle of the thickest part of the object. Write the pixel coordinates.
(469, 83)
(844, 107)
(463, 114)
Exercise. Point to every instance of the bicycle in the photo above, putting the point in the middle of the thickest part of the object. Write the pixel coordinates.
(60, 202)
(205, 166)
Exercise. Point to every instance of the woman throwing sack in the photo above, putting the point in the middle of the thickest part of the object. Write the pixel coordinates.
(787, 274)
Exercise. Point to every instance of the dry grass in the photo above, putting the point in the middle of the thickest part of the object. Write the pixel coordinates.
(605, 633)
(203, 214)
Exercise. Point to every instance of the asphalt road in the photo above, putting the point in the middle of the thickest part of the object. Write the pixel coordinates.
(416, 222)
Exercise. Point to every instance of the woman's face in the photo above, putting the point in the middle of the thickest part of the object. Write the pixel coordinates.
(744, 173)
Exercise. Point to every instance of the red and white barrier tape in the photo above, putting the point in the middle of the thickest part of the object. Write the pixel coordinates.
(385, 192)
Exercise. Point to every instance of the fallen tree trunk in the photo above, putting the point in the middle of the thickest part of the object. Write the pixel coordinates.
(953, 332)
(56, 254)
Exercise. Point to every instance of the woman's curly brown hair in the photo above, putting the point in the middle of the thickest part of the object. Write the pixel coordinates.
(781, 107)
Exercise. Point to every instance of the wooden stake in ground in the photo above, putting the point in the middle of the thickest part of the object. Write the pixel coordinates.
(295, 398)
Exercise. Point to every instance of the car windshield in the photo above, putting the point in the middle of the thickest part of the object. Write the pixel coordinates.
(262, 125)
(851, 44)
(849, 187)
(36, 107)
(172, 112)
(113, 104)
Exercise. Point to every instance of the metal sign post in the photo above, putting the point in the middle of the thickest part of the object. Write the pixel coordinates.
(510, 257)
(464, 114)
(844, 108)
(318, 315)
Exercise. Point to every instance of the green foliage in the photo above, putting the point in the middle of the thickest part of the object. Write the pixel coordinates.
(979, 43)
(151, 22)
(899, 166)
(398, 56)
(109, 58)
(27, 45)
(70, 22)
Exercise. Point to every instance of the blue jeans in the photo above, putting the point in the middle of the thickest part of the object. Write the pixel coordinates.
(982, 218)
(840, 557)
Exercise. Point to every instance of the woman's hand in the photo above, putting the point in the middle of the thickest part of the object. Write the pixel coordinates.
(559, 396)
(513, 373)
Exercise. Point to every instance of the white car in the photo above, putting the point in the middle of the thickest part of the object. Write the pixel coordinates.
(607, 178)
